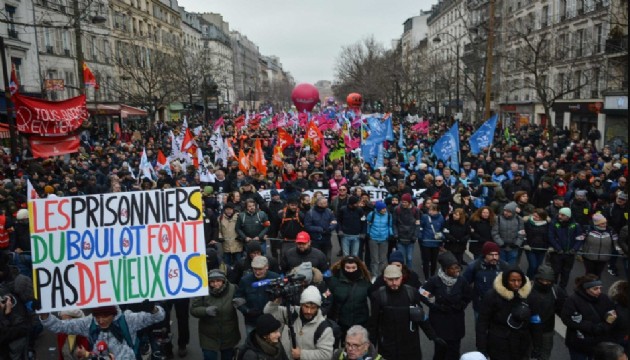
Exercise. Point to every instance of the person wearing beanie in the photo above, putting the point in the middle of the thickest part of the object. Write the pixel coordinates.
(352, 226)
(503, 325)
(264, 341)
(546, 300)
(481, 273)
(599, 243)
(396, 317)
(409, 276)
(581, 208)
(311, 343)
(509, 233)
(566, 237)
(554, 208)
(600, 317)
(217, 329)
(105, 324)
(447, 295)
(380, 229)
(244, 265)
(406, 223)
(349, 286)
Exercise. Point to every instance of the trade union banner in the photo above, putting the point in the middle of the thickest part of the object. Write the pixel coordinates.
(45, 146)
(117, 248)
(37, 116)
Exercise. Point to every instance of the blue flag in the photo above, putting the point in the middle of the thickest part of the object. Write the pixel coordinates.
(380, 158)
(389, 130)
(448, 146)
(369, 152)
(401, 141)
(380, 130)
(484, 136)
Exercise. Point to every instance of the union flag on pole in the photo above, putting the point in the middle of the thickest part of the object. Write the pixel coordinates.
(314, 136)
(259, 159)
(243, 162)
(14, 85)
(189, 144)
(284, 138)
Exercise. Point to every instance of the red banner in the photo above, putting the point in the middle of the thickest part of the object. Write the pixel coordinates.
(37, 116)
(45, 146)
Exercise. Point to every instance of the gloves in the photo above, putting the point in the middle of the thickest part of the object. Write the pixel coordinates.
(238, 302)
(445, 231)
(551, 249)
(440, 341)
(211, 311)
(147, 306)
(527, 248)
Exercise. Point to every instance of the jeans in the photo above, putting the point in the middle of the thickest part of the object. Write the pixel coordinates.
(509, 256)
(378, 254)
(230, 259)
(535, 258)
(407, 251)
(350, 245)
(226, 354)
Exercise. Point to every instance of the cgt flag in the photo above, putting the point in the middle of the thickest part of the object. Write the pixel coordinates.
(88, 78)
(483, 137)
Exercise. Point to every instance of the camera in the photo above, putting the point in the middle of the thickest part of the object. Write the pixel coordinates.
(288, 288)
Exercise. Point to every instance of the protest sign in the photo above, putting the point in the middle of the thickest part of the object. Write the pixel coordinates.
(376, 193)
(117, 248)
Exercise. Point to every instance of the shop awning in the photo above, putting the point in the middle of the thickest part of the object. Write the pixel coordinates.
(4, 131)
(130, 111)
(103, 109)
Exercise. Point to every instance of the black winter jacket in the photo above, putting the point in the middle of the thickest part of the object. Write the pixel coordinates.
(585, 317)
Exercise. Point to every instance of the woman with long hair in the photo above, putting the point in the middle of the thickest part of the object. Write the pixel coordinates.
(457, 234)
(481, 223)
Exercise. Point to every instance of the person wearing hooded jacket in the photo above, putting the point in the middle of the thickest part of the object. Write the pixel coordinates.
(503, 326)
(509, 233)
(349, 286)
(546, 300)
(263, 343)
(307, 318)
(218, 329)
(104, 320)
(589, 317)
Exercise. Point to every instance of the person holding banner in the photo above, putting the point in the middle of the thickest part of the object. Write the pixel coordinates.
(107, 324)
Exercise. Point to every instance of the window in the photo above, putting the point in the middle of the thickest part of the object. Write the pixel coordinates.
(65, 42)
(578, 85)
(544, 17)
(595, 83)
(579, 42)
(17, 63)
(598, 33)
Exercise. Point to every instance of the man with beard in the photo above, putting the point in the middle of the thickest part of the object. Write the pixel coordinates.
(481, 273)
(546, 300)
(581, 209)
(253, 224)
(303, 252)
(248, 191)
(314, 337)
(396, 316)
(351, 227)
(290, 223)
(320, 222)
(305, 203)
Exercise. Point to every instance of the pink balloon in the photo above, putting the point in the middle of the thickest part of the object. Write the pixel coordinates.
(305, 97)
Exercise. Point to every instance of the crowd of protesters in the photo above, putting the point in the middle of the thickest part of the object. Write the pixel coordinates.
(556, 200)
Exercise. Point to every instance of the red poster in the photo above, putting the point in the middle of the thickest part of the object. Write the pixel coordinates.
(45, 146)
(37, 116)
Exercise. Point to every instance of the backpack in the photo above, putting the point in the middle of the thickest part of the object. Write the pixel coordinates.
(122, 324)
(336, 329)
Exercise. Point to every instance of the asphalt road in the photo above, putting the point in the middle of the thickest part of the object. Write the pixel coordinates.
(46, 342)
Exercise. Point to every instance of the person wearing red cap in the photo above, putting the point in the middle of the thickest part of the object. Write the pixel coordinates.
(304, 252)
(482, 272)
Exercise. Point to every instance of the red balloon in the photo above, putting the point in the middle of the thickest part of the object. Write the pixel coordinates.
(305, 97)
(354, 100)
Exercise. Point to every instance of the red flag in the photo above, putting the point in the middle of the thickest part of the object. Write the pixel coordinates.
(45, 146)
(284, 139)
(239, 122)
(243, 162)
(277, 157)
(37, 116)
(189, 144)
(14, 85)
(254, 123)
(314, 137)
(259, 158)
(88, 77)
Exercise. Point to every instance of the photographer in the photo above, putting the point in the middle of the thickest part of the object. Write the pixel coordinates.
(311, 341)
(16, 325)
(106, 324)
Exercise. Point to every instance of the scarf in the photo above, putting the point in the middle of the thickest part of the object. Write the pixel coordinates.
(447, 280)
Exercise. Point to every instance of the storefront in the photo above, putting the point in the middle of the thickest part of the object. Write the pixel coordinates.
(616, 126)
(517, 115)
(579, 117)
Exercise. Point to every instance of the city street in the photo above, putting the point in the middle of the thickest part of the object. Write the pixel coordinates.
(47, 340)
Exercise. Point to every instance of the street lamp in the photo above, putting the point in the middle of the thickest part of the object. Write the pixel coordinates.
(437, 40)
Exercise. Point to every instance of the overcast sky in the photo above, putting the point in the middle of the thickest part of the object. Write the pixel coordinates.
(308, 35)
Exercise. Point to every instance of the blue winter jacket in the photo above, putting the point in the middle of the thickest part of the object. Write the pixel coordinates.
(380, 226)
(562, 236)
(428, 236)
(318, 224)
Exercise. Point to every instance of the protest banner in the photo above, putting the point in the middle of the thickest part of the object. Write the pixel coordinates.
(324, 192)
(117, 248)
(376, 193)
(266, 194)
